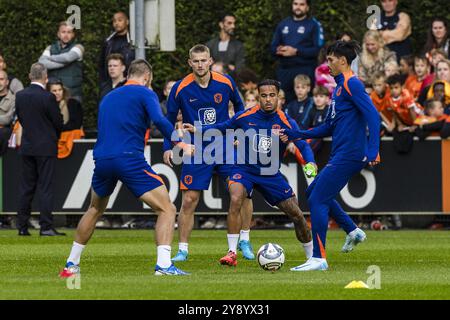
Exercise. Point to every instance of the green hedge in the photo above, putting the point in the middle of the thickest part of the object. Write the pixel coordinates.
(28, 26)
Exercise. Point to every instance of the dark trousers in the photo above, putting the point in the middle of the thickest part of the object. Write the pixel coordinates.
(37, 173)
(5, 134)
(287, 75)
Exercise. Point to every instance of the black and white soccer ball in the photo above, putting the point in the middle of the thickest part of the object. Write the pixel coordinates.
(271, 257)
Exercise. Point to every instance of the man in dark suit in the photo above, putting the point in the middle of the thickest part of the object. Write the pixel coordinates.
(41, 119)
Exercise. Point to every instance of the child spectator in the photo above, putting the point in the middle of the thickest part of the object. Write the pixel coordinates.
(381, 97)
(391, 68)
(322, 72)
(281, 99)
(318, 113)
(434, 122)
(440, 90)
(319, 110)
(402, 103)
(407, 65)
(435, 56)
(405, 113)
(299, 108)
(414, 81)
(251, 98)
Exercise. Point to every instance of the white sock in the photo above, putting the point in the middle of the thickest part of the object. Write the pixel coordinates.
(232, 242)
(164, 256)
(183, 246)
(308, 247)
(75, 253)
(244, 235)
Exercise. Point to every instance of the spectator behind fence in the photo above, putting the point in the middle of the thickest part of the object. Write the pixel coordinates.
(374, 56)
(14, 84)
(434, 122)
(72, 113)
(405, 113)
(219, 67)
(396, 29)
(63, 60)
(7, 112)
(420, 71)
(406, 65)
(442, 74)
(154, 131)
(322, 72)
(247, 79)
(251, 99)
(296, 44)
(118, 42)
(42, 122)
(281, 100)
(116, 71)
(437, 55)
(380, 97)
(70, 108)
(318, 113)
(391, 67)
(437, 37)
(224, 48)
(299, 109)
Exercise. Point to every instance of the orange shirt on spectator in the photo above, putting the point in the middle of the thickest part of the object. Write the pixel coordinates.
(402, 105)
(413, 85)
(383, 104)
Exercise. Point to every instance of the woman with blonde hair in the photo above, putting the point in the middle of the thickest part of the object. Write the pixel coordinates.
(374, 56)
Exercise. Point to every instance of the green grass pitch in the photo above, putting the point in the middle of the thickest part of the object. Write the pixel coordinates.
(119, 265)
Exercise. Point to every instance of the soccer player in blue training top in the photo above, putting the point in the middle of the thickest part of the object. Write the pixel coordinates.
(123, 118)
(258, 161)
(203, 96)
(350, 114)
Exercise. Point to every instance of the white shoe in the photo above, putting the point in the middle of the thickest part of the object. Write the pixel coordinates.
(312, 264)
(352, 239)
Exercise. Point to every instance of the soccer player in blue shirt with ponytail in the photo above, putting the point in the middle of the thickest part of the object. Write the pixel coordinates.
(350, 114)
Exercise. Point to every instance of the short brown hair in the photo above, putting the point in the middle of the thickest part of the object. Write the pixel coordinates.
(377, 76)
(302, 79)
(139, 67)
(320, 90)
(199, 48)
(65, 24)
(115, 56)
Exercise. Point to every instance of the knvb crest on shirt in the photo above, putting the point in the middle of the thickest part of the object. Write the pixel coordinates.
(207, 116)
(218, 98)
(262, 143)
(301, 29)
(188, 180)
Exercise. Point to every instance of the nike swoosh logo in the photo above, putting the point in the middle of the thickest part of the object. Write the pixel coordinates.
(192, 100)
(287, 191)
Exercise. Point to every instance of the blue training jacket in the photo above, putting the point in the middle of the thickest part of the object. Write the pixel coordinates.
(350, 113)
(123, 118)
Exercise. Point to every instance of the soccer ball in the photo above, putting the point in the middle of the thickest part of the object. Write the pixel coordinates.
(271, 257)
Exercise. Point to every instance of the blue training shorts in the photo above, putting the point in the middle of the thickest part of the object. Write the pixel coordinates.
(273, 188)
(134, 172)
(198, 176)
